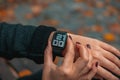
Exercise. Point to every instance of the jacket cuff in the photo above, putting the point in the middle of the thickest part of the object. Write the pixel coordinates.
(39, 42)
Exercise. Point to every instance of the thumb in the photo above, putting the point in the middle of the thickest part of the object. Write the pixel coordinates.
(48, 57)
(47, 62)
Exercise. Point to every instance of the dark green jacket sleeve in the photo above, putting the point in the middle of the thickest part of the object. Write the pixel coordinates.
(28, 41)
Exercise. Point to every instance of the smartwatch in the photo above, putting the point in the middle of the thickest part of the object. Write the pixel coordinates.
(59, 43)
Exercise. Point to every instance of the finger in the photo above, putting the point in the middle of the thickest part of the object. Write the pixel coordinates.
(69, 55)
(48, 59)
(105, 74)
(89, 65)
(112, 58)
(93, 71)
(110, 48)
(84, 54)
(83, 60)
(109, 65)
(97, 77)
(47, 62)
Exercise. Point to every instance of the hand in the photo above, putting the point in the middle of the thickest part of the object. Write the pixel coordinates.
(69, 69)
(104, 53)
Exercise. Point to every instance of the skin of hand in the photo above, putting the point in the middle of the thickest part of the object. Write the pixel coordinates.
(69, 69)
(106, 55)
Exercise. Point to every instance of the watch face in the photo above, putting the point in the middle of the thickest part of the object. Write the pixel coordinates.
(59, 40)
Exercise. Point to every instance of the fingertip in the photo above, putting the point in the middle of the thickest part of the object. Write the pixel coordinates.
(70, 37)
(70, 40)
(93, 71)
(88, 46)
(84, 53)
(95, 66)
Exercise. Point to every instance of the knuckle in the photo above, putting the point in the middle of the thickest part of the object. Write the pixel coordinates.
(113, 57)
(63, 72)
(96, 55)
(86, 60)
(116, 69)
(89, 66)
(79, 60)
(94, 70)
(67, 73)
(113, 68)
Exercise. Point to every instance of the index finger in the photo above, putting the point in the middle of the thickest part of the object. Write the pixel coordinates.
(82, 62)
(69, 53)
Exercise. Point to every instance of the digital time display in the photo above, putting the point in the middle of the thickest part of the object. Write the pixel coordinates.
(59, 40)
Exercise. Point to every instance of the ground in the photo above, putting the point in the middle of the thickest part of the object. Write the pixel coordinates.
(99, 19)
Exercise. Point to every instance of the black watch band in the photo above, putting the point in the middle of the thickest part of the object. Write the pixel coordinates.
(59, 43)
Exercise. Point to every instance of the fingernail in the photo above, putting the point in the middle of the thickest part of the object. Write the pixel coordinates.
(119, 57)
(95, 79)
(70, 37)
(96, 64)
(78, 43)
(88, 46)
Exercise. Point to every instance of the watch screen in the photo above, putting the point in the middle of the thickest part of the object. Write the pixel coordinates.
(59, 40)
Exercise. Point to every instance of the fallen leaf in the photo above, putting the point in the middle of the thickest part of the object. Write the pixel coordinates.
(90, 3)
(10, 12)
(112, 10)
(56, 60)
(36, 10)
(106, 13)
(107, 1)
(119, 17)
(78, 1)
(3, 13)
(29, 16)
(50, 22)
(83, 30)
(88, 13)
(115, 28)
(97, 28)
(109, 37)
(11, 1)
(99, 4)
(24, 73)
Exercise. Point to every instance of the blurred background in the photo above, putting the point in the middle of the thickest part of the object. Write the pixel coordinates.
(98, 19)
